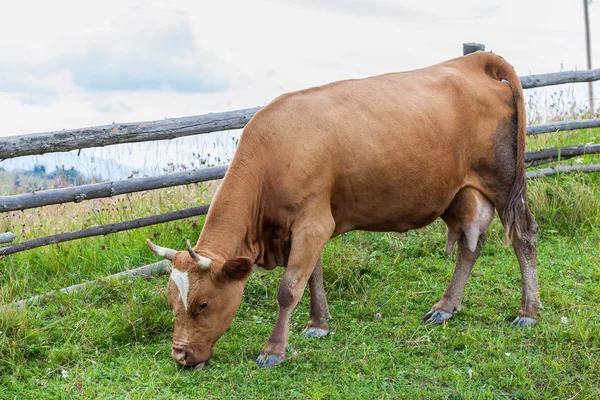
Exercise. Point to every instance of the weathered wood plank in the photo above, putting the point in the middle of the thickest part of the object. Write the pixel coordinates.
(563, 126)
(549, 155)
(147, 271)
(104, 229)
(558, 78)
(562, 169)
(7, 237)
(98, 136)
(107, 189)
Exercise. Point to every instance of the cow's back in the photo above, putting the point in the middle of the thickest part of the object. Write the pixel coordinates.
(388, 152)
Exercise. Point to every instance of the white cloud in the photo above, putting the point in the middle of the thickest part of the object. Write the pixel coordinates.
(135, 48)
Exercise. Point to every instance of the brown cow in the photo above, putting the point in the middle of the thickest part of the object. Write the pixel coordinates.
(387, 153)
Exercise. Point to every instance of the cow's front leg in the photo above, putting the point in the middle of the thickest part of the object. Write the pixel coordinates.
(319, 310)
(307, 243)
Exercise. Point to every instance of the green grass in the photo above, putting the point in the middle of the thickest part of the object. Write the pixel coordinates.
(112, 340)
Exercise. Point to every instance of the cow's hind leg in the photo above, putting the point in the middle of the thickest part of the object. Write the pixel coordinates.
(319, 310)
(467, 218)
(525, 246)
(308, 240)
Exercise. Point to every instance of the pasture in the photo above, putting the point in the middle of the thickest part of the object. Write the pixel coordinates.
(112, 340)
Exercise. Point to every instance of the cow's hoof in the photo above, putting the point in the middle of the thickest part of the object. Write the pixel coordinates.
(524, 322)
(268, 361)
(437, 316)
(314, 332)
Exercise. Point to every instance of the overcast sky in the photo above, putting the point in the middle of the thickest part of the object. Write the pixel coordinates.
(70, 64)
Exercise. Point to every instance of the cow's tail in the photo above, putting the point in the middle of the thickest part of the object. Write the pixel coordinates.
(514, 212)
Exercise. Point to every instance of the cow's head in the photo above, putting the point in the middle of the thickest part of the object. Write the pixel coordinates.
(204, 295)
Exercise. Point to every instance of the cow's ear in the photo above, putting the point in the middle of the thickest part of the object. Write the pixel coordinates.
(236, 268)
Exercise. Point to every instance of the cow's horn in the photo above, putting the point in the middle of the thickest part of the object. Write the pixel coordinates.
(203, 262)
(168, 254)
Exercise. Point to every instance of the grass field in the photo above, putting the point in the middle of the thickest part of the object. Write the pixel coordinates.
(112, 340)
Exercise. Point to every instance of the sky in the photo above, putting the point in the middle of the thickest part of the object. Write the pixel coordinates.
(70, 64)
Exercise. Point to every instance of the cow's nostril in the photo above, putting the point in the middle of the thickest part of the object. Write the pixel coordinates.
(179, 355)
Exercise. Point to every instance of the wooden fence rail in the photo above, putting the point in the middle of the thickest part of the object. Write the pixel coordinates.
(562, 169)
(545, 156)
(104, 229)
(99, 136)
(563, 126)
(107, 189)
(7, 237)
(558, 78)
(147, 271)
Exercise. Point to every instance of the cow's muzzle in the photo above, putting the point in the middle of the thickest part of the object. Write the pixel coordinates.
(187, 357)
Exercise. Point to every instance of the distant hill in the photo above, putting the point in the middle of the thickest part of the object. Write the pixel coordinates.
(96, 168)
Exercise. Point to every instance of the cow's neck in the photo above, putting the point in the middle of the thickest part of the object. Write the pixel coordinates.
(230, 228)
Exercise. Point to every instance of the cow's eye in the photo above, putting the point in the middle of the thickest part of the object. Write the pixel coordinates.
(201, 307)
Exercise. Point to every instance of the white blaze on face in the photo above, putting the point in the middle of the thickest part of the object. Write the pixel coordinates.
(183, 285)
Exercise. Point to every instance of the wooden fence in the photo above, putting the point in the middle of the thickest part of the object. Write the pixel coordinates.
(67, 140)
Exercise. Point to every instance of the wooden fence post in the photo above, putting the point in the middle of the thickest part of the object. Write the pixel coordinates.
(472, 47)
